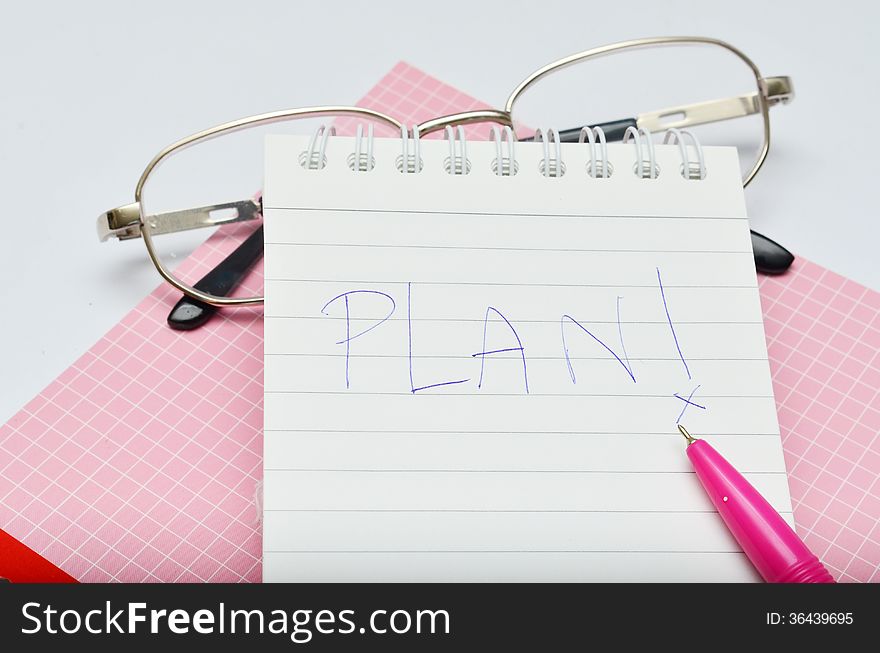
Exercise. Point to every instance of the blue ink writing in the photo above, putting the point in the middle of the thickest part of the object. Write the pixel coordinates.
(482, 354)
(348, 337)
(687, 402)
(412, 385)
(672, 328)
(626, 366)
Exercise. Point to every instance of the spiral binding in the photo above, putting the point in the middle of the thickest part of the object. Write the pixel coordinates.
(457, 164)
(552, 165)
(312, 160)
(602, 168)
(688, 171)
(409, 163)
(504, 166)
(358, 161)
(644, 168)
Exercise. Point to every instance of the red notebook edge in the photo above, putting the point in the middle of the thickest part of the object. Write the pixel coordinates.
(21, 564)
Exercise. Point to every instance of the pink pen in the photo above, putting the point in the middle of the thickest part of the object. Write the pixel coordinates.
(766, 538)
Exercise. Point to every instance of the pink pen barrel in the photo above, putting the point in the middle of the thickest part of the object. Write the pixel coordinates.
(766, 538)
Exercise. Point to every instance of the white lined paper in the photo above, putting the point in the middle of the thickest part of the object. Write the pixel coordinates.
(410, 453)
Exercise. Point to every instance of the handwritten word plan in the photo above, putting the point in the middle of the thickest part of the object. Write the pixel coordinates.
(479, 377)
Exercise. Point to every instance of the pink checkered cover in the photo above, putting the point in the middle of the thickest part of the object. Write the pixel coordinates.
(139, 462)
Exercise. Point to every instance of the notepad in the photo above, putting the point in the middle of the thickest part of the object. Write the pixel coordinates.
(478, 377)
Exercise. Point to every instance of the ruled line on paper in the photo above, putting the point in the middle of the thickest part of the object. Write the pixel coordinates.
(510, 214)
(519, 320)
(477, 510)
(497, 567)
(518, 285)
(674, 436)
(469, 551)
(499, 490)
(553, 358)
(510, 249)
(505, 394)
(492, 471)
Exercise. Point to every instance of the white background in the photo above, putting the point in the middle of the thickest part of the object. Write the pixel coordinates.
(90, 91)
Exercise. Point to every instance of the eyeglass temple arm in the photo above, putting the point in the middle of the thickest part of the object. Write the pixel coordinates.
(774, 89)
(124, 222)
(189, 313)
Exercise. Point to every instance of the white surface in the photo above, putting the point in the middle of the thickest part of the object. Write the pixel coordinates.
(90, 91)
(392, 440)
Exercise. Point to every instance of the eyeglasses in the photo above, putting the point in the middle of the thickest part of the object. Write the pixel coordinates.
(703, 84)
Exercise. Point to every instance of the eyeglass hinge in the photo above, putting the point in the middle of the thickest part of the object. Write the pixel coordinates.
(777, 90)
(123, 222)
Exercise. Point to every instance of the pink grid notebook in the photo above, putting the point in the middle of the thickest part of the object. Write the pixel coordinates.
(139, 462)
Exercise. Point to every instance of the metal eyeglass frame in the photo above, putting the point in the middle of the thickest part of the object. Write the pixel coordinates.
(127, 222)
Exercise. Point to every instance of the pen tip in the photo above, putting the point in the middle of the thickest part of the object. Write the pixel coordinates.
(687, 436)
